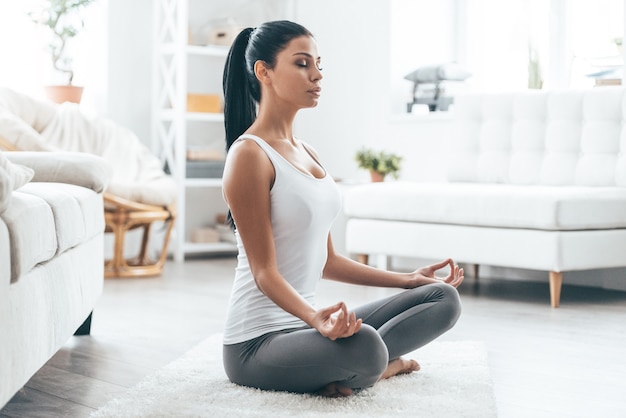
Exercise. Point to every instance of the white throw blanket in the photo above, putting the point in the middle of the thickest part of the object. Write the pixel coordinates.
(137, 173)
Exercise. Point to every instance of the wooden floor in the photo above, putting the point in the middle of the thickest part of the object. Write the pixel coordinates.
(565, 362)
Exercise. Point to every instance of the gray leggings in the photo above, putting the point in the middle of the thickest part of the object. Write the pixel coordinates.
(302, 360)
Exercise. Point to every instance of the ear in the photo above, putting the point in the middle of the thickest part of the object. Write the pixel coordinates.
(262, 72)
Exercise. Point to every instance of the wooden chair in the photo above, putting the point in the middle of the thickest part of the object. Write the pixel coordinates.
(122, 215)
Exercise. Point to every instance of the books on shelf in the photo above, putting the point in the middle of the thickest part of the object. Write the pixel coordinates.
(204, 154)
(608, 81)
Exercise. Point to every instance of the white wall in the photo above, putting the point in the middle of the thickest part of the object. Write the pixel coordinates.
(354, 42)
(130, 66)
(356, 107)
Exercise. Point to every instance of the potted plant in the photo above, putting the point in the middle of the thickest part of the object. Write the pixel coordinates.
(379, 163)
(62, 22)
(618, 44)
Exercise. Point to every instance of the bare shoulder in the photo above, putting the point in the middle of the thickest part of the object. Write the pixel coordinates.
(246, 152)
(246, 160)
(245, 147)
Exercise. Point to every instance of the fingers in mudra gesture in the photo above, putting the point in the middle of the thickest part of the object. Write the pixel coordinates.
(336, 322)
(428, 274)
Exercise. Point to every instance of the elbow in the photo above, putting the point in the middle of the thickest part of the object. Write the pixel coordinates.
(329, 267)
(262, 281)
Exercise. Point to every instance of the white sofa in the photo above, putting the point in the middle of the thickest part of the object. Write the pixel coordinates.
(51, 256)
(139, 194)
(535, 180)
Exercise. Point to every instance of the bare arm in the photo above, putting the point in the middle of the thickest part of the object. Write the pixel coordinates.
(248, 178)
(344, 269)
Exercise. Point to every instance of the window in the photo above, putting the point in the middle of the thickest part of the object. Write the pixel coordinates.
(25, 60)
(422, 33)
(596, 30)
(508, 46)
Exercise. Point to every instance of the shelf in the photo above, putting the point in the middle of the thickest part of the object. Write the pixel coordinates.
(181, 69)
(168, 114)
(208, 50)
(210, 247)
(199, 50)
(206, 182)
(205, 117)
(421, 117)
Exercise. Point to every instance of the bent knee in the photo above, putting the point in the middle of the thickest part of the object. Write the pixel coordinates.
(450, 302)
(369, 360)
(372, 356)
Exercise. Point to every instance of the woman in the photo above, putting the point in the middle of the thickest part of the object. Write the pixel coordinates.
(282, 203)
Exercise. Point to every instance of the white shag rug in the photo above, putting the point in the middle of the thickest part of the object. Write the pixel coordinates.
(454, 382)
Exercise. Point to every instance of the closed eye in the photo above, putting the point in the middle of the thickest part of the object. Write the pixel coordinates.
(304, 64)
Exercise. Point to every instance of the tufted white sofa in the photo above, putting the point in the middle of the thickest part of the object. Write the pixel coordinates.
(51, 256)
(535, 180)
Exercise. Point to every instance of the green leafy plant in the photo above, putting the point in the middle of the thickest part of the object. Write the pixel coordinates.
(379, 162)
(62, 20)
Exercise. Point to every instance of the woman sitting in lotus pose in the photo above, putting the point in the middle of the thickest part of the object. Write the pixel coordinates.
(282, 203)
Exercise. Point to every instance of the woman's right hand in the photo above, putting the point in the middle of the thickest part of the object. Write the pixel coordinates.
(342, 325)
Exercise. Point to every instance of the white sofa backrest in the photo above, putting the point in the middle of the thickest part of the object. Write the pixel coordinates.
(560, 138)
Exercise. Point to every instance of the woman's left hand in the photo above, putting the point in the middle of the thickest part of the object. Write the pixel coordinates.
(427, 274)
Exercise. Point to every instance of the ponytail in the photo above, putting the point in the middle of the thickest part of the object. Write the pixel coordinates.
(239, 102)
(242, 90)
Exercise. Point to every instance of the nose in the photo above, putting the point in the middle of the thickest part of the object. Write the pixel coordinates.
(317, 74)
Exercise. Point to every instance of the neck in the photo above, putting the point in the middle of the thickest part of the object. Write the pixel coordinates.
(274, 122)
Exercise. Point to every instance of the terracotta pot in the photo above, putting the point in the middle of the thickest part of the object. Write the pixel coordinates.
(64, 93)
(377, 177)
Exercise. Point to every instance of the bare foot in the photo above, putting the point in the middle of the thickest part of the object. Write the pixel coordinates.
(333, 390)
(400, 366)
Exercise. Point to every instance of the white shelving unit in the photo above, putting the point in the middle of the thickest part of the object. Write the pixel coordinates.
(180, 68)
(171, 119)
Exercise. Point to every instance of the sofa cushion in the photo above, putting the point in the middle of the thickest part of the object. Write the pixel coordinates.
(559, 138)
(76, 168)
(5, 254)
(19, 174)
(493, 205)
(45, 219)
(6, 189)
(32, 232)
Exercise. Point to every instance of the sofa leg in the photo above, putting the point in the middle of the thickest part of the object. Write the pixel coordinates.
(85, 328)
(556, 280)
(475, 271)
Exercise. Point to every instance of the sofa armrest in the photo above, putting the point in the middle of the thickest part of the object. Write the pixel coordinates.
(77, 168)
(5, 189)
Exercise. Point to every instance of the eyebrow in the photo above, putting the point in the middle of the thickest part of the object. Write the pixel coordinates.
(305, 54)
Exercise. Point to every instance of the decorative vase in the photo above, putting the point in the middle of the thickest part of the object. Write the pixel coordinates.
(64, 93)
(377, 177)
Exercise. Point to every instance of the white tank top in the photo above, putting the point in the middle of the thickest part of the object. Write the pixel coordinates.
(303, 209)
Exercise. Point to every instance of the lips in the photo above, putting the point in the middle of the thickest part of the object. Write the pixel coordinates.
(315, 92)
